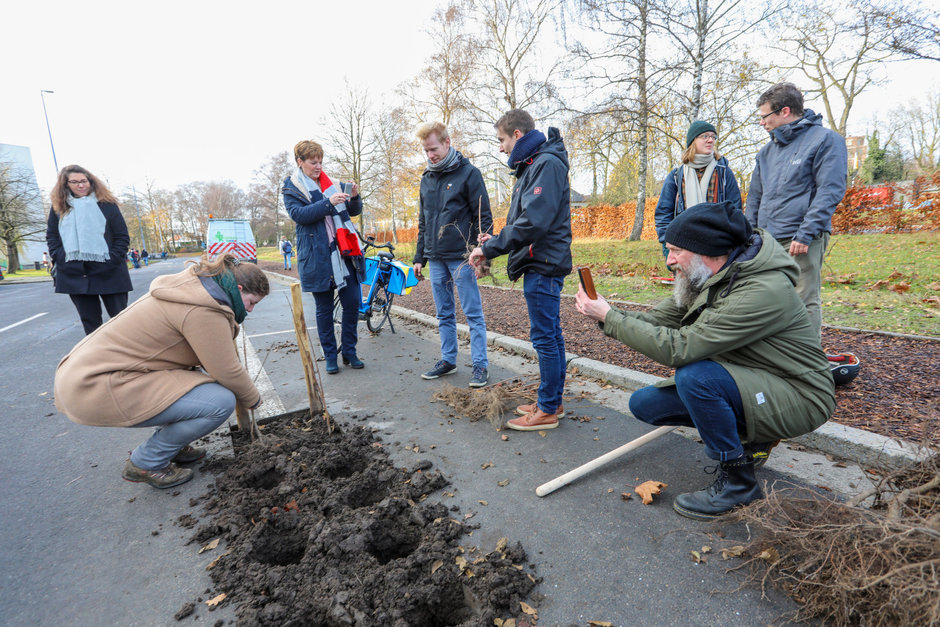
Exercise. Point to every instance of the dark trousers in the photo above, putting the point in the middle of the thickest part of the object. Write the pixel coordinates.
(706, 397)
(89, 308)
(349, 296)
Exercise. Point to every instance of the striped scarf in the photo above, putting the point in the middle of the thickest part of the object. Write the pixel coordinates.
(341, 233)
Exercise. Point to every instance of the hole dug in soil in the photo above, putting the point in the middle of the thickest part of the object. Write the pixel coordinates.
(321, 529)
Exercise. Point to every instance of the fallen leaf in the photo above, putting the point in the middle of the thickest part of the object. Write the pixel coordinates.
(647, 489)
(600, 623)
(501, 544)
(769, 555)
(435, 566)
(626, 496)
(468, 515)
(733, 551)
(461, 562)
(210, 546)
(706, 549)
(934, 286)
(504, 437)
(528, 609)
(486, 465)
(697, 557)
(482, 502)
(216, 600)
(609, 490)
(503, 483)
(291, 506)
(542, 434)
(900, 288)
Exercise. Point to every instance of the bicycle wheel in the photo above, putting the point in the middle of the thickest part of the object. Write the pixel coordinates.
(381, 310)
(337, 310)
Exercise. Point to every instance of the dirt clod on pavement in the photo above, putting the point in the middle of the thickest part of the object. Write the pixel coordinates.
(321, 528)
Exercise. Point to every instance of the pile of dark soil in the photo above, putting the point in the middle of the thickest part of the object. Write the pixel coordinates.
(321, 528)
(897, 393)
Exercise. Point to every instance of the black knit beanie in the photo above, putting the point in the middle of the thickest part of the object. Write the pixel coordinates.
(697, 128)
(710, 229)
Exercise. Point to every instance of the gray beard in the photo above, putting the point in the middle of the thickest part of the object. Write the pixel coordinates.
(689, 282)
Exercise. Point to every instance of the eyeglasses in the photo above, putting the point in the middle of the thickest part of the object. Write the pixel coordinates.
(709, 136)
(80, 182)
(764, 117)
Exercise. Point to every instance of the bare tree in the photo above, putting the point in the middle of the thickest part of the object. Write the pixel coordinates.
(916, 128)
(398, 172)
(840, 51)
(350, 122)
(265, 190)
(623, 67)
(705, 31)
(21, 212)
(441, 91)
(911, 30)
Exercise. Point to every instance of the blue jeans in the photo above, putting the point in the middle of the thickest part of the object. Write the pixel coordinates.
(445, 274)
(705, 397)
(287, 257)
(195, 414)
(349, 296)
(543, 299)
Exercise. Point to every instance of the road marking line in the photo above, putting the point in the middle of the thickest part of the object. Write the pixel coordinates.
(16, 324)
(250, 337)
(272, 405)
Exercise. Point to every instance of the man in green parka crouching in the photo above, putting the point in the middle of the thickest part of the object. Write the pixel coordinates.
(749, 366)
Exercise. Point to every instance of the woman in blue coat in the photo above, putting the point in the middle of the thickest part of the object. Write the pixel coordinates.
(88, 241)
(328, 254)
(704, 176)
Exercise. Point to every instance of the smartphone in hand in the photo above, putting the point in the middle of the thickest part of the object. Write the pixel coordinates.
(587, 282)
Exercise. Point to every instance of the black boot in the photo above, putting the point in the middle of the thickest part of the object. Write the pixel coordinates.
(734, 486)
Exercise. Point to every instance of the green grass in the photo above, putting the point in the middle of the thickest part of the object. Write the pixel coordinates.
(851, 293)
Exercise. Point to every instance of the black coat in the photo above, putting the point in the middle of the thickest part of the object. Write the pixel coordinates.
(92, 277)
(453, 206)
(537, 234)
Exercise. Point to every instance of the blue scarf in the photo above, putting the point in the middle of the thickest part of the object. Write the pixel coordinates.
(525, 147)
(82, 230)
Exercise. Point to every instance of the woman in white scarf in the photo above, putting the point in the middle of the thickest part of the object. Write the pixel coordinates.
(704, 176)
(88, 241)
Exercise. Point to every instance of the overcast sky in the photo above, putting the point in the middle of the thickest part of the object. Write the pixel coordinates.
(206, 90)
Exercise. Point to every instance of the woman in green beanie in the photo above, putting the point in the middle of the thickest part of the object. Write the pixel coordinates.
(704, 176)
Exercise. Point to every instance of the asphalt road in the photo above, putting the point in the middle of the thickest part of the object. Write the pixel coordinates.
(79, 543)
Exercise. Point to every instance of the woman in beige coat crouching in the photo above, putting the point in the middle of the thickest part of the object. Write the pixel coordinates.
(168, 361)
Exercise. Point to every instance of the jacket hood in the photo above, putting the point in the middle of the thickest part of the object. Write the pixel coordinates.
(788, 132)
(555, 145)
(186, 288)
(761, 254)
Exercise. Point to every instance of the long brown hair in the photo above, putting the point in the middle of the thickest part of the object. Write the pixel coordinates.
(61, 193)
(688, 155)
(252, 278)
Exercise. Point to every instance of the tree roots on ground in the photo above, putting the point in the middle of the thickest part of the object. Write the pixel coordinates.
(490, 402)
(848, 565)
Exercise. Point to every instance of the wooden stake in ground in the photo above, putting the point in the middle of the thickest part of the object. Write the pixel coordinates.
(311, 374)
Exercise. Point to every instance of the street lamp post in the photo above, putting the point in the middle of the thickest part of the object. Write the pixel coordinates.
(42, 94)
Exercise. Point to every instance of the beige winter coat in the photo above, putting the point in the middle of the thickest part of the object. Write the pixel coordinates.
(146, 358)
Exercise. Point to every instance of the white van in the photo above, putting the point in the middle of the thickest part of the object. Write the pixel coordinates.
(231, 236)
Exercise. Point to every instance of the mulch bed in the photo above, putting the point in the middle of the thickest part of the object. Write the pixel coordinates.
(897, 393)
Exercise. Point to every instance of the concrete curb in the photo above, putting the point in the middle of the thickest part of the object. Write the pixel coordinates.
(867, 449)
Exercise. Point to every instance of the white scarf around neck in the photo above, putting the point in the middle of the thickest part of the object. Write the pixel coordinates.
(696, 190)
(82, 230)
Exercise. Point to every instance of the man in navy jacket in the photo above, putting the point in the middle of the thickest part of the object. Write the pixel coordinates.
(537, 238)
(799, 180)
(453, 211)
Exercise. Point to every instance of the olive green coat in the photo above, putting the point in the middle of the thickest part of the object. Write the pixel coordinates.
(750, 320)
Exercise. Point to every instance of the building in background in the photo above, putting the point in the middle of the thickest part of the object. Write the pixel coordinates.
(31, 248)
(857, 147)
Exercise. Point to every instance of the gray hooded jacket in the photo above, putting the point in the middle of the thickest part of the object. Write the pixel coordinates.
(798, 180)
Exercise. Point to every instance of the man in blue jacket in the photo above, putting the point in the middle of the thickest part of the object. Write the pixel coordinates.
(537, 237)
(799, 180)
(454, 209)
